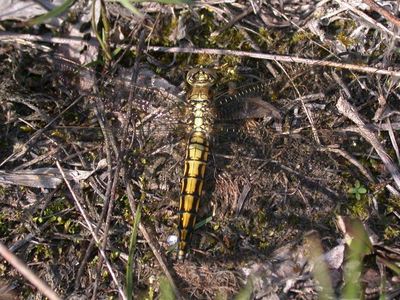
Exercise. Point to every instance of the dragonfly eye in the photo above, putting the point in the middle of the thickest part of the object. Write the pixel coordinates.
(201, 77)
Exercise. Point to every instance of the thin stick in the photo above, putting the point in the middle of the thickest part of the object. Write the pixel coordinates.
(22, 37)
(27, 273)
(283, 58)
(386, 14)
(352, 160)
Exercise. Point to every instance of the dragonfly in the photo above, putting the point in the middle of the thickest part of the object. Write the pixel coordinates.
(161, 109)
(197, 150)
(203, 110)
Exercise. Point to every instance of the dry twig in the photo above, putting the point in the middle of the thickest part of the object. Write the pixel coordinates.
(386, 14)
(352, 160)
(282, 58)
(350, 112)
(27, 273)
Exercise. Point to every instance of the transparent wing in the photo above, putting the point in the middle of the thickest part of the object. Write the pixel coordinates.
(248, 103)
(236, 113)
(152, 105)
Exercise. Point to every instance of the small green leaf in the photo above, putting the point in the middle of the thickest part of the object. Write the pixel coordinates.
(362, 190)
(246, 292)
(132, 249)
(127, 4)
(357, 190)
(202, 223)
(166, 291)
(52, 14)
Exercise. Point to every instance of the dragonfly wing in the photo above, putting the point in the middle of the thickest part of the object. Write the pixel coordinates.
(249, 107)
(156, 105)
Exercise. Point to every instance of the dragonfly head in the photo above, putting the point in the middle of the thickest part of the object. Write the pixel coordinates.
(201, 77)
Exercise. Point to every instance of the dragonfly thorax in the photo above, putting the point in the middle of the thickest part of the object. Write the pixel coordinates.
(199, 98)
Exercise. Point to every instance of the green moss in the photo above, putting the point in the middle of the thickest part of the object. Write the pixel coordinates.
(300, 36)
(26, 129)
(393, 204)
(56, 214)
(345, 40)
(42, 252)
(4, 228)
(207, 26)
(72, 117)
(261, 217)
(94, 261)
(115, 255)
(3, 269)
(229, 72)
(60, 135)
(264, 38)
(263, 245)
(391, 233)
(205, 60)
(105, 275)
(359, 200)
(231, 39)
(70, 226)
(359, 208)
(341, 25)
(162, 37)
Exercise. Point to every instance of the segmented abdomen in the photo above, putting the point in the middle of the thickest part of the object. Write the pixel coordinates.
(191, 187)
(197, 150)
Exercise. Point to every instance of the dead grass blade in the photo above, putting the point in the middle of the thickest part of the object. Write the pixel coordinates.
(393, 139)
(367, 18)
(39, 132)
(102, 39)
(48, 178)
(352, 160)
